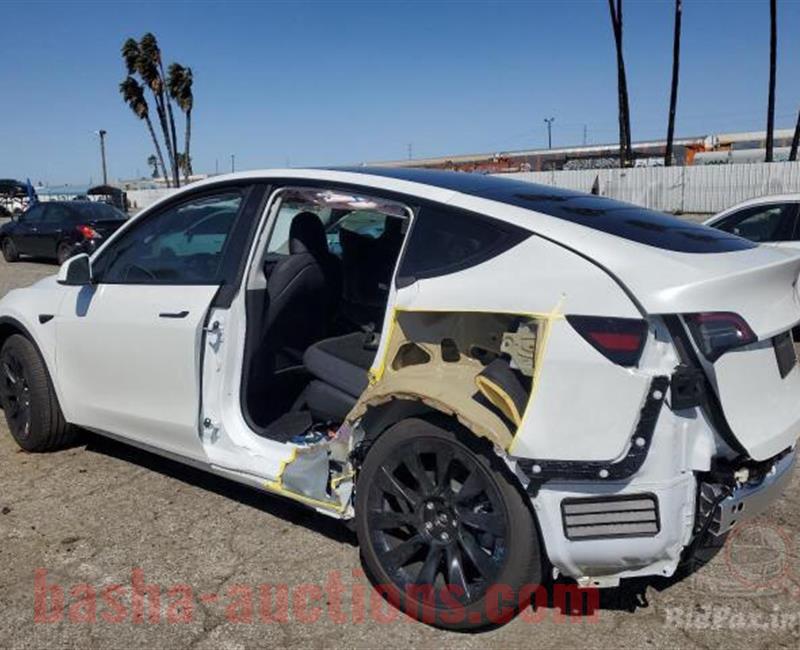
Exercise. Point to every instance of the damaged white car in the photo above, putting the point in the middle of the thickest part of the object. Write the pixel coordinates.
(497, 381)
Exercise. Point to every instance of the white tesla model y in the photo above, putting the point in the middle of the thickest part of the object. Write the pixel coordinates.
(496, 381)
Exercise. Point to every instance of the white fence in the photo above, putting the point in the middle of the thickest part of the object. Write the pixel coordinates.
(701, 189)
(140, 199)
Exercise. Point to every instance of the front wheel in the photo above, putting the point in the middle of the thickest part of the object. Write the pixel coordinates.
(28, 399)
(443, 529)
(10, 252)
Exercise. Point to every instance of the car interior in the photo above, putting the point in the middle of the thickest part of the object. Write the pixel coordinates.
(315, 308)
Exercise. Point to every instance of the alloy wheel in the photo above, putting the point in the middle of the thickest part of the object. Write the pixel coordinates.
(437, 520)
(15, 394)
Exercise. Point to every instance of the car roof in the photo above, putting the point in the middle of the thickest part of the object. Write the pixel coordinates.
(554, 212)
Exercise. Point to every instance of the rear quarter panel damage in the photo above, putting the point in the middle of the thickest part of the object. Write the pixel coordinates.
(580, 407)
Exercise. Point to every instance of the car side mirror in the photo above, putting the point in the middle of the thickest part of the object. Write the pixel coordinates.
(76, 271)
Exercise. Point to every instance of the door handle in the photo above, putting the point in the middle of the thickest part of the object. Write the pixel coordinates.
(177, 314)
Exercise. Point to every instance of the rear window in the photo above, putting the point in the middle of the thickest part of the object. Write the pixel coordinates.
(97, 211)
(613, 217)
(643, 226)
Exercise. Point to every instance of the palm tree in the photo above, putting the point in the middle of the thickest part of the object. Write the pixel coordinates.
(795, 139)
(625, 155)
(673, 96)
(151, 54)
(131, 54)
(133, 94)
(773, 51)
(139, 61)
(179, 84)
(152, 161)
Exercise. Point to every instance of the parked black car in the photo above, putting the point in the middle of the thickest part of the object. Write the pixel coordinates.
(59, 229)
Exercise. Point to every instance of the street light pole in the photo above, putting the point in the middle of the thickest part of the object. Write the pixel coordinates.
(549, 121)
(102, 134)
(233, 163)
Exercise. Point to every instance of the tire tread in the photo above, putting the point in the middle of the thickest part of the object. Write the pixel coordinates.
(49, 429)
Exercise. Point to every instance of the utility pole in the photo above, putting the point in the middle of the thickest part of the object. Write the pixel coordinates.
(233, 163)
(216, 166)
(102, 134)
(549, 121)
(585, 135)
(773, 48)
(410, 150)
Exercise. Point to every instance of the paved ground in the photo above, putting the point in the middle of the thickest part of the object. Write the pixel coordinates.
(95, 515)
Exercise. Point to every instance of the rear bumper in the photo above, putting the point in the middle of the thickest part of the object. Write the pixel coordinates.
(749, 501)
(87, 246)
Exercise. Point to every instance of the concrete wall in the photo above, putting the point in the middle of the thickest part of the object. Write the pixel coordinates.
(702, 190)
(140, 199)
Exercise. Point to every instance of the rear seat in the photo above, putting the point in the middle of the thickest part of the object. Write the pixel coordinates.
(340, 366)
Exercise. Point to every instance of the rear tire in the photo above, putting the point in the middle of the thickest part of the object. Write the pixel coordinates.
(63, 253)
(10, 252)
(28, 399)
(445, 532)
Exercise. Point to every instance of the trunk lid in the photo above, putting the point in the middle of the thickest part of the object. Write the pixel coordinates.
(758, 385)
(105, 227)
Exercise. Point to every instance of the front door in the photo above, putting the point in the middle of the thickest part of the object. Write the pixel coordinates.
(129, 345)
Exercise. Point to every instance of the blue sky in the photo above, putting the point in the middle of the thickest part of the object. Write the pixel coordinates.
(316, 83)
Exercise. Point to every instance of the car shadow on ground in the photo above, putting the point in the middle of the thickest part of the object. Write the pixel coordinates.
(272, 504)
(630, 596)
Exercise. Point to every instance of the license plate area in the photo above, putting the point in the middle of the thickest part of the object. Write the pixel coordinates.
(785, 353)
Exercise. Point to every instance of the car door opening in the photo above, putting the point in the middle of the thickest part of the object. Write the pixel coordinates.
(316, 305)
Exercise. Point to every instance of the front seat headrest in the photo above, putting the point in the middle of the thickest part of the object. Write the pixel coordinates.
(307, 235)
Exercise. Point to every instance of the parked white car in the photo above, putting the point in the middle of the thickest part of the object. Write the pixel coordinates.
(766, 220)
(497, 381)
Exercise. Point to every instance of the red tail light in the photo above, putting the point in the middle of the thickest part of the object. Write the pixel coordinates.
(620, 340)
(88, 232)
(718, 332)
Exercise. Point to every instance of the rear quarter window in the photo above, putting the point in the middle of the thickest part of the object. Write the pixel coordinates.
(444, 240)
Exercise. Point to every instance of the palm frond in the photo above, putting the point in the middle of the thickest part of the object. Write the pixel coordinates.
(179, 84)
(130, 54)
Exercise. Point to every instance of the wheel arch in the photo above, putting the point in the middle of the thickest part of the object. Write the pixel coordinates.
(378, 416)
(10, 326)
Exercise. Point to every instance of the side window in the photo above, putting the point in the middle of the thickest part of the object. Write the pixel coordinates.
(445, 240)
(279, 238)
(762, 223)
(366, 223)
(35, 214)
(182, 245)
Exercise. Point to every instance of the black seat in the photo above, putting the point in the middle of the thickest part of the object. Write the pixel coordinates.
(367, 267)
(340, 366)
(342, 362)
(303, 289)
